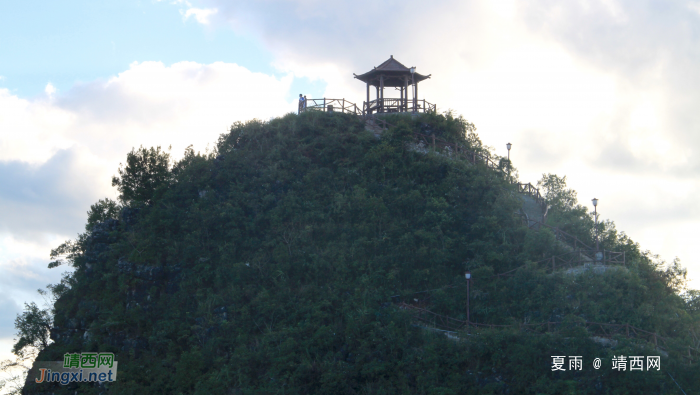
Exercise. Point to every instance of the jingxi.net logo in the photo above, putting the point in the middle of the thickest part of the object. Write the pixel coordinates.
(77, 368)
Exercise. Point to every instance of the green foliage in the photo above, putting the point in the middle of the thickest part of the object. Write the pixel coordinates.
(564, 210)
(692, 298)
(269, 266)
(33, 327)
(555, 192)
(69, 250)
(145, 176)
(101, 212)
(675, 276)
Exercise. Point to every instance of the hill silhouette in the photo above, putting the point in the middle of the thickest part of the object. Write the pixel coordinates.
(278, 264)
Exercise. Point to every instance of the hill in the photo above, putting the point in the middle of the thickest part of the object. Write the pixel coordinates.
(299, 256)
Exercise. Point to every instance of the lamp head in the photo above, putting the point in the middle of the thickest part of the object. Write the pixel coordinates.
(595, 202)
(508, 146)
(467, 275)
(413, 70)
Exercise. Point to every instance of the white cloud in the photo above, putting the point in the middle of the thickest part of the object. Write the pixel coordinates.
(150, 103)
(57, 156)
(50, 197)
(200, 14)
(49, 89)
(694, 6)
(186, 103)
(58, 153)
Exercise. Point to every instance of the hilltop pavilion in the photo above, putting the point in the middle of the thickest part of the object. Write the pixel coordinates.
(390, 74)
(393, 74)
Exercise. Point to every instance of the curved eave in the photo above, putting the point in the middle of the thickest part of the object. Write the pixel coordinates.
(391, 78)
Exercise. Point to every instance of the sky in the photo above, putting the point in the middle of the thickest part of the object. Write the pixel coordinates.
(604, 92)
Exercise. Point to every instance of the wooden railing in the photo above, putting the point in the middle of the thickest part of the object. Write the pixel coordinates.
(478, 158)
(531, 190)
(559, 234)
(472, 156)
(392, 105)
(563, 236)
(583, 256)
(599, 329)
(576, 258)
(332, 105)
(374, 106)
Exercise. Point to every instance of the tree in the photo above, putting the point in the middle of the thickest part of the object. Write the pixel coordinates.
(675, 276)
(102, 211)
(146, 175)
(564, 210)
(33, 326)
(71, 250)
(556, 193)
(692, 300)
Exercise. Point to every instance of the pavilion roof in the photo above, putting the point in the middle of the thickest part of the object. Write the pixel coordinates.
(394, 74)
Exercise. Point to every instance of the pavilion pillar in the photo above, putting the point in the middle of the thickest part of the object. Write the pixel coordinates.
(401, 105)
(366, 109)
(381, 90)
(405, 99)
(377, 96)
(415, 97)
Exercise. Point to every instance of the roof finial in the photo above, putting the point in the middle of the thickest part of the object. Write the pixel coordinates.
(392, 56)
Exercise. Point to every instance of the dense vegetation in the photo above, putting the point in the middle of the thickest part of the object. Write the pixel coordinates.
(269, 266)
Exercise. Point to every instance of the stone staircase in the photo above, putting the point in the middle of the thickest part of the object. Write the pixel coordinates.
(532, 210)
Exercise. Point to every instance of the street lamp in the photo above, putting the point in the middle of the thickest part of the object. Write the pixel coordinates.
(468, 276)
(508, 146)
(595, 213)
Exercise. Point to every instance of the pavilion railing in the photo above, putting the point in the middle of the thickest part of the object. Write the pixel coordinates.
(390, 105)
(332, 105)
(378, 106)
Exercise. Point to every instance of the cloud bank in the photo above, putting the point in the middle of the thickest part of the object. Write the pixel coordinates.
(59, 151)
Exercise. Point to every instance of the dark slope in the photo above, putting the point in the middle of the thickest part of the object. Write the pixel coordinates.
(269, 266)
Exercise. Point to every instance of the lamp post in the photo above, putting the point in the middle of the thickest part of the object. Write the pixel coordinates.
(595, 213)
(508, 146)
(468, 276)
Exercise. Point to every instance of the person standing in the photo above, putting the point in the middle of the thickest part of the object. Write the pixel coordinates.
(302, 103)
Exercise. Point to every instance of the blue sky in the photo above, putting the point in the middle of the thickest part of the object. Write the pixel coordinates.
(603, 91)
(66, 42)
